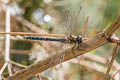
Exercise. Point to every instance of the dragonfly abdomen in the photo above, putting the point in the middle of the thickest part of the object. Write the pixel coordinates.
(45, 38)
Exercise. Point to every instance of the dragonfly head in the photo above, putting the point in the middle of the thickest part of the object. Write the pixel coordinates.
(79, 39)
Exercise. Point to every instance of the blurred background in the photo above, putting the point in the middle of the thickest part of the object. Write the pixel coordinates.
(64, 17)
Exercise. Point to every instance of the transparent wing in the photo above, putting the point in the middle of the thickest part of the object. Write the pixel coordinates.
(69, 24)
(71, 18)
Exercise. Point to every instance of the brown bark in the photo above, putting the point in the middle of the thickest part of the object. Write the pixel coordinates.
(51, 61)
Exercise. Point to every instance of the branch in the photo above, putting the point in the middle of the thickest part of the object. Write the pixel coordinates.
(113, 27)
(111, 62)
(112, 78)
(29, 25)
(51, 61)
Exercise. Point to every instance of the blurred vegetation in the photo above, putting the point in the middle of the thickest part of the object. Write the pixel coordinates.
(30, 6)
(21, 58)
(101, 15)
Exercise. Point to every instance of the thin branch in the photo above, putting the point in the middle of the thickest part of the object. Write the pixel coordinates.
(76, 67)
(115, 74)
(38, 34)
(87, 64)
(32, 34)
(86, 46)
(29, 25)
(14, 51)
(3, 68)
(7, 40)
(17, 64)
(111, 62)
(95, 58)
(85, 26)
(110, 30)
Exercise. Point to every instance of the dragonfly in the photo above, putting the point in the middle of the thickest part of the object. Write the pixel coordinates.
(71, 39)
(50, 37)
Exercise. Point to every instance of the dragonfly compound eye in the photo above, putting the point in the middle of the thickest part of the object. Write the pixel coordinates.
(79, 39)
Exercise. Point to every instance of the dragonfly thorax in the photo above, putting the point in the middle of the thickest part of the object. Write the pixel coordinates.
(73, 39)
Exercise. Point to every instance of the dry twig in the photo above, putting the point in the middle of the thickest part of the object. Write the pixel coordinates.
(75, 69)
(86, 46)
(85, 26)
(111, 62)
(112, 78)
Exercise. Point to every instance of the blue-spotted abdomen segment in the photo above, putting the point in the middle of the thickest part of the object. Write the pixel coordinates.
(44, 38)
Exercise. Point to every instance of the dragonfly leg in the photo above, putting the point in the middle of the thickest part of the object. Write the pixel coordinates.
(73, 49)
(61, 60)
(80, 49)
